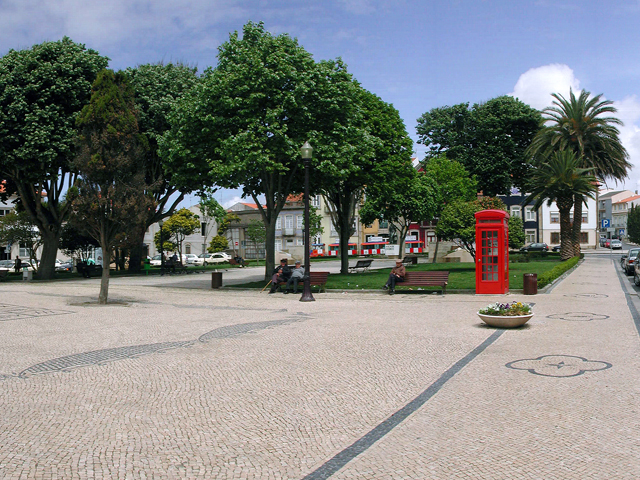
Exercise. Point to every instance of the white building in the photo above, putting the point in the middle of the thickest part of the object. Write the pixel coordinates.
(549, 222)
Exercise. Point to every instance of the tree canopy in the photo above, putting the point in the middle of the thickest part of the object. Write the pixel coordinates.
(488, 139)
(109, 201)
(42, 90)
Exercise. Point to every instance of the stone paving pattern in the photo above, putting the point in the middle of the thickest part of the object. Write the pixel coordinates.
(172, 383)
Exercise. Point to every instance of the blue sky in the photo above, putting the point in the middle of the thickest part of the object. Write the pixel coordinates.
(416, 55)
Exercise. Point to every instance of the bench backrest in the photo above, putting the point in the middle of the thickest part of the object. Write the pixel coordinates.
(363, 263)
(318, 277)
(427, 276)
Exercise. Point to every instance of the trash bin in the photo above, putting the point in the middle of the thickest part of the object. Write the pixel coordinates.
(216, 279)
(27, 276)
(530, 284)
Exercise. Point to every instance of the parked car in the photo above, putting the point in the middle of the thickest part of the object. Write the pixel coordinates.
(219, 257)
(156, 260)
(66, 266)
(555, 248)
(630, 260)
(10, 265)
(607, 243)
(602, 241)
(189, 258)
(615, 244)
(535, 247)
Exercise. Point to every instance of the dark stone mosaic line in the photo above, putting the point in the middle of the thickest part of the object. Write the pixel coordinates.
(99, 357)
(364, 443)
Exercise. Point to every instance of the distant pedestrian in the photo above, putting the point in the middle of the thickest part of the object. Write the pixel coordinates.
(18, 264)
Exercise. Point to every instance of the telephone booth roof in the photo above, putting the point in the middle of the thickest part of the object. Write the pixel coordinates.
(488, 215)
(337, 244)
(374, 243)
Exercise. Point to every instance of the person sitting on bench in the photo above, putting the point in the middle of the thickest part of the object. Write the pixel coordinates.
(397, 275)
(281, 274)
(297, 274)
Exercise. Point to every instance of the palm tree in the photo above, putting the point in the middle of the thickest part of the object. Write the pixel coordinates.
(580, 124)
(560, 180)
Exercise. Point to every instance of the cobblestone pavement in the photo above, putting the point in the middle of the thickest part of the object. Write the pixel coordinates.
(172, 383)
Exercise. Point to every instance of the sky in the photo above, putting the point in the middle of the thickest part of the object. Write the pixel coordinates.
(417, 55)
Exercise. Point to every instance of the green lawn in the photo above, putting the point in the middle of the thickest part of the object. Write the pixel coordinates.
(461, 276)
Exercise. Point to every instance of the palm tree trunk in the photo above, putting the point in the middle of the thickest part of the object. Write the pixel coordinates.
(577, 224)
(566, 239)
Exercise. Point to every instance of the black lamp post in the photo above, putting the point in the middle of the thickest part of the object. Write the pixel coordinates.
(161, 249)
(307, 152)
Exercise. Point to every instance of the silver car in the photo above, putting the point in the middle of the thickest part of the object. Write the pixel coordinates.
(630, 261)
(615, 245)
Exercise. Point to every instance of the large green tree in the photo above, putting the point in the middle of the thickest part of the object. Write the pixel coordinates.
(247, 119)
(560, 180)
(452, 182)
(158, 88)
(367, 150)
(489, 139)
(583, 125)
(42, 90)
(109, 201)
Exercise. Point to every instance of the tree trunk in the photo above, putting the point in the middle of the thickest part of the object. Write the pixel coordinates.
(577, 224)
(435, 250)
(104, 283)
(135, 254)
(269, 252)
(566, 233)
(345, 233)
(47, 268)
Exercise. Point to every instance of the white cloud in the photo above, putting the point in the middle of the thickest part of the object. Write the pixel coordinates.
(232, 201)
(535, 86)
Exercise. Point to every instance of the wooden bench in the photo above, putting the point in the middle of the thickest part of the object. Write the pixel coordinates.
(232, 261)
(425, 279)
(318, 279)
(361, 264)
(411, 260)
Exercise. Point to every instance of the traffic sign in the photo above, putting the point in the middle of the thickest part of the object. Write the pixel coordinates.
(621, 231)
(606, 223)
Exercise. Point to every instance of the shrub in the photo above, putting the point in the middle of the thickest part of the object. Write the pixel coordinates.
(548, 277)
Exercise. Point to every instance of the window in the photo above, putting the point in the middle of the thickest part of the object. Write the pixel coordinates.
(516, 211)
(300, 222)
(384, 224)
(278, 245)
(529, 214)
(279, 223)
(584, 237)
(530, 236)
(555, 237)
(585, 217)
(555, 217)
(288, 222)
(299, 241)
(1, 213)
(289, 242)
(315, 201)
(203, 229)
(24, 250)
(187, 248)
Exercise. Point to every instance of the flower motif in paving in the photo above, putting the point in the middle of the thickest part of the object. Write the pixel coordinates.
(558, 365)
(587, 295)
(17, 312)
(578, 316)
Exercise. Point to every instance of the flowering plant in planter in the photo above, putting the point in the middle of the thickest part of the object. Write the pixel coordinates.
(512, 309)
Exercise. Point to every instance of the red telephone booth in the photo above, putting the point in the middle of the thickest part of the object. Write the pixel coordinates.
(492, 252)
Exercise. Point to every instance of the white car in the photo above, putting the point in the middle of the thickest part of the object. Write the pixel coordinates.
(212, 258)
(189, 259)
(156, 260)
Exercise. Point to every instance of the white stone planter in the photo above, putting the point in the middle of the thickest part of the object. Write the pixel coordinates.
(505, 321)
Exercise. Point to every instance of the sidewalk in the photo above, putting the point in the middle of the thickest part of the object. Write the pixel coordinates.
(175, 383)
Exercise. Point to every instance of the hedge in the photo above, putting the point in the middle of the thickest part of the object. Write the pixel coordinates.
(548, 277)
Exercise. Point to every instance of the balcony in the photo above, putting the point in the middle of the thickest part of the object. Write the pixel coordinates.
(288, 232)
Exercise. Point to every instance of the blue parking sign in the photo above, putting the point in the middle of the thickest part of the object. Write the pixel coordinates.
(606, 223)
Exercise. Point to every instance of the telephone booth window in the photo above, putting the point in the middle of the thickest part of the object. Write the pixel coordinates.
(490, 255)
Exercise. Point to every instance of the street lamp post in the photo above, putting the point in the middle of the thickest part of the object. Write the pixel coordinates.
(307, 152)
(161, 249)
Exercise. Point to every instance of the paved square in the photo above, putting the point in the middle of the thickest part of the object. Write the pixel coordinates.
(177, 383)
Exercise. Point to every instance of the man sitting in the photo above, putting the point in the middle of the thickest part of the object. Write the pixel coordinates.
(397, 275)
(296, 275)
(281, 274)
